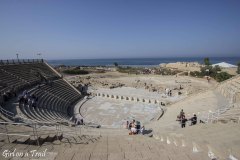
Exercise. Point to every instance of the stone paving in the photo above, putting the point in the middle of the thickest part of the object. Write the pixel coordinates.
(114, 113)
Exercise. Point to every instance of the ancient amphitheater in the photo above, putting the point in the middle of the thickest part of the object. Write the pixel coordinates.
(43, 127)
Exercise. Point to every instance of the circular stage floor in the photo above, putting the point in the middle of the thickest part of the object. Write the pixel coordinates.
(114, 113)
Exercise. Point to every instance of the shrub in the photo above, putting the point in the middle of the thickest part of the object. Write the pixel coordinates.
(75, 71)
(214, 72)
(130, 70)
(222, 76)
(210, 71)
(196, 74)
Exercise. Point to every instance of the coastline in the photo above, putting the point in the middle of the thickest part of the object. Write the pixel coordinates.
(139, 62)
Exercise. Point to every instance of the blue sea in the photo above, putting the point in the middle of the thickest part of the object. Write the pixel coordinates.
(139, 61)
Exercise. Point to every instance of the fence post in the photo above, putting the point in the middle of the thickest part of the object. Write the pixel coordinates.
(80, 131)
(61, 128)
(35, 133)
(57, 128)
(75, 130)
(7, 132)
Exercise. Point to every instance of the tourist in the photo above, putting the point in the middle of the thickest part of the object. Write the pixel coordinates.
(20, 100)
(193, 120)
(25, 99)
(29, 102)
(183, 121)
(130, 126)
(79, 121)
(181, 114)
(208, 79)
(180, 87)
(5, 98)
(167, 91)
(24, 93)
(127, 125)
(34, 102)
(142, 130)
(1, 99)
(133, 122)
(133, 128)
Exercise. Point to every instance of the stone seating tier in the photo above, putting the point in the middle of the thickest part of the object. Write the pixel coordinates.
(230, 88)
(19, 76)
(54, 101)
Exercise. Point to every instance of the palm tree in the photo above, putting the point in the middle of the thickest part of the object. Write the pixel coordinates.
(206, 61)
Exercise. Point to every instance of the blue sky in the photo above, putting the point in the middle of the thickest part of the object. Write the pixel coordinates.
(119, 28)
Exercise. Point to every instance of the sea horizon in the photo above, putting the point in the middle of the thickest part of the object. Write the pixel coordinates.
(138, 61)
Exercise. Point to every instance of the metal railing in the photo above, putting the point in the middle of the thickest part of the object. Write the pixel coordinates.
(36, 130)
(20, 61)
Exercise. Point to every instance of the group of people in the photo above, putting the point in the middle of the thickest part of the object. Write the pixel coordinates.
(77, 120)
(168, 92)
(28, 99)
(135, 127)
(182, 119)
(6, 95)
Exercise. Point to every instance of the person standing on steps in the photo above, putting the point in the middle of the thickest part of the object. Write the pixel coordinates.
(183, 121)
(142, 130)
(181, 114)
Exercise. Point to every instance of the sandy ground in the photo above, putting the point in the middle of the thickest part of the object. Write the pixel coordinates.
(152, 83)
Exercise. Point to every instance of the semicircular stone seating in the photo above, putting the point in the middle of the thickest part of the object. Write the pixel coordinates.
(55, 99)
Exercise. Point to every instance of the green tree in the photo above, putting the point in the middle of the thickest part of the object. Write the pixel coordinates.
(206, 61)
(115, 64)
(206, 71)
(238, 69)
(222, 76)
(210, 71)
